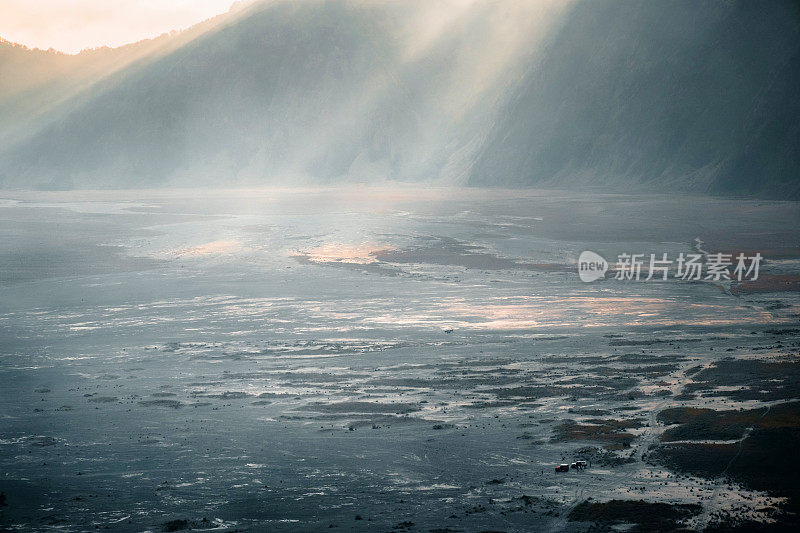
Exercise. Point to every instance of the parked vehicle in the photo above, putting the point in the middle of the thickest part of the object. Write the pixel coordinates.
(562, 468)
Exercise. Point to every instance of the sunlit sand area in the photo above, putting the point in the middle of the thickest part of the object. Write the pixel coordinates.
(391, 359)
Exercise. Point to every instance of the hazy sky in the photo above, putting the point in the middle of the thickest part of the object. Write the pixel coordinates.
(72, 25)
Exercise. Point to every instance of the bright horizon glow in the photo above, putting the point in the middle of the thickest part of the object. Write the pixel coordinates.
(74, 25)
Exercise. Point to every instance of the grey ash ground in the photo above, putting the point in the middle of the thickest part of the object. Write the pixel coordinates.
(292, 361)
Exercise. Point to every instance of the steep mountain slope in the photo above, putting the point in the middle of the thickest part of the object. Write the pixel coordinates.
(694, 95)
(290, 92)
(697, 95)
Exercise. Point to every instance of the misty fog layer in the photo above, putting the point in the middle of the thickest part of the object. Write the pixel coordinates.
(697, 96)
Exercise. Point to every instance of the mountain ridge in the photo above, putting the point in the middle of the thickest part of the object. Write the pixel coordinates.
(692, 96)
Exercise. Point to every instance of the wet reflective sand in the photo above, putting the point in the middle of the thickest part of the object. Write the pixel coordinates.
(377, 359)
